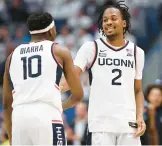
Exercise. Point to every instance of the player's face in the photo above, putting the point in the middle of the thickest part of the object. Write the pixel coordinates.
(112, 22)
(52, 33)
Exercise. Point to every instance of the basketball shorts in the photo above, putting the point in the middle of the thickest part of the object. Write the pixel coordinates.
(39, 125)
(107, 138)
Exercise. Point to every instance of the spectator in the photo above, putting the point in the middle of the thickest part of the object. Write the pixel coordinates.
(79, 125)
(83, 37)
(65, 37)
(68, 131)
(4, 39)
(3, 13)
(90, 8)
(35, 5)
(154, 114)
(18, 11)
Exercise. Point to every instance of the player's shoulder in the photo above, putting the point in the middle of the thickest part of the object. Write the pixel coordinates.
(60, 50)
(88, 46)
(87, 50)
(138, 49)
(88, 43)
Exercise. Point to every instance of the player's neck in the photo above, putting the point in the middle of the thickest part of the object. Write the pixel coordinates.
(117, 42)
(36, 38)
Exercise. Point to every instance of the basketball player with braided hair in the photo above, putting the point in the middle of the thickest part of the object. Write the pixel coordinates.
(115, 65)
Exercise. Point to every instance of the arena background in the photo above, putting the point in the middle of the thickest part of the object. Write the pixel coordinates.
(76, 23)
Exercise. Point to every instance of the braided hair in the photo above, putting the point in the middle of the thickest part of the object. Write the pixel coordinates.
(124, 13)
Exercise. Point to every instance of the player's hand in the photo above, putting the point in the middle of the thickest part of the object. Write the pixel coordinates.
(141, 127)
(63, 85)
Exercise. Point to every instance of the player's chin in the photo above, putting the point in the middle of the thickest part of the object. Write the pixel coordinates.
(110, 35)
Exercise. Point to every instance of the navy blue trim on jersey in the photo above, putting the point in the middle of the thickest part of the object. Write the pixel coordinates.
(58, 74)
(96, 53)
(95, 57)
(9, 76)
(54, 55)
(10, 81)
(59, 67)
(90, 76)
(110, 47)
(89, 138)
(135, 55)
(58, 134)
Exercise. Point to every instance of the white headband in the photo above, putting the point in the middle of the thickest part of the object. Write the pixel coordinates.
(43, 30)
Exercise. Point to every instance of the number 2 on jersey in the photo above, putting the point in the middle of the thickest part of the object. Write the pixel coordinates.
(114, 80)
(27, 66)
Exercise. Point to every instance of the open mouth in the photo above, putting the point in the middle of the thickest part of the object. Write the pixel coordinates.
(110, 28)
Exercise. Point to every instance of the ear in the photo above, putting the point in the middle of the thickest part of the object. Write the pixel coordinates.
(124, 24)
(50, 32)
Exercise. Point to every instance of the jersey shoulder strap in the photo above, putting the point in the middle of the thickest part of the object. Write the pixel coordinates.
(135, 49)
(95, 56)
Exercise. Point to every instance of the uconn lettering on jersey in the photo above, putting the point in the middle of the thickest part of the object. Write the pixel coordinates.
(115, 62)
(31, 49)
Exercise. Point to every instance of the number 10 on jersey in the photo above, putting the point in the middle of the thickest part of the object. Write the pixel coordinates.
(27, 66)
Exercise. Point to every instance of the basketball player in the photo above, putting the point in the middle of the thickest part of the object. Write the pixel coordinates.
(34, 71)
(115, 66)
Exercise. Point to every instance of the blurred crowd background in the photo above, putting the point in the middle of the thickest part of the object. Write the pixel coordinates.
(76, 23)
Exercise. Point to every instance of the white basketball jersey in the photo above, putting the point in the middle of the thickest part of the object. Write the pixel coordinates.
(112, 86)
(35, 75)
(111, 73)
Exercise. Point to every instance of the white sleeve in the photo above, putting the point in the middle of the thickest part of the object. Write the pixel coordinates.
(140, 59)
(85, 55)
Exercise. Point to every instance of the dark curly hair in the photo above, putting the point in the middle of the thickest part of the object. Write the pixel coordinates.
(38, 21)
(150, 87)
(124, 13)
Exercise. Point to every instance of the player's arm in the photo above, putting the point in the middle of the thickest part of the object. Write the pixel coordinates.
(83, 61)
(7, 100)
(139, 97)
(64, 56)
(63, 83)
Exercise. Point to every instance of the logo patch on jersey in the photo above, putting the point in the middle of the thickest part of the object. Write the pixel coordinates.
(102, 53)
(103, 50)
(129, 52)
